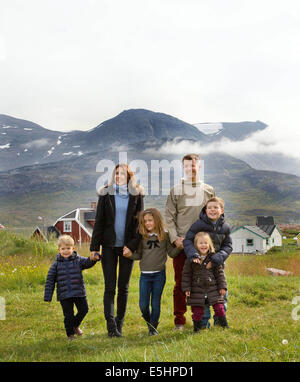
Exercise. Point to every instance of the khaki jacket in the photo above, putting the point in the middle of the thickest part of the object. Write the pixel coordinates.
(184, 204)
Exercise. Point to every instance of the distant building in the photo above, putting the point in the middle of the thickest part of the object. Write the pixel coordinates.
(38, 235)
(259, 238)
(78, 223)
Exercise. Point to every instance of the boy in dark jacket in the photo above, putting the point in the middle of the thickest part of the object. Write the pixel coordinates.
(66, 271)
(211, 220)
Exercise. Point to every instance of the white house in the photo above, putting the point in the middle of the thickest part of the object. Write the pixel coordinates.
(259, 238)
(249, 239)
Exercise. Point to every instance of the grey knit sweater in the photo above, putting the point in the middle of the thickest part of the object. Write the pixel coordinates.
(152, 253)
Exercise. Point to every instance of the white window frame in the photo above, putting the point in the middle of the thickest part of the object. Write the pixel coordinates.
(67, 225)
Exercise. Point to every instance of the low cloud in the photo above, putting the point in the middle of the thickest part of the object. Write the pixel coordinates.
(267, 141)
(38, 143)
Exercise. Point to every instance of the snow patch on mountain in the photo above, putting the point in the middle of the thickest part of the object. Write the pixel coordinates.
(7, 146)
(209, 128)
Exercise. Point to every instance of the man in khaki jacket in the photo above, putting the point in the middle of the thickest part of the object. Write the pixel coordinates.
(183, 207)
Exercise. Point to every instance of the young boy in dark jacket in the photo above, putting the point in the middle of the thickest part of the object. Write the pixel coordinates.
(212, 221)
(66, 272)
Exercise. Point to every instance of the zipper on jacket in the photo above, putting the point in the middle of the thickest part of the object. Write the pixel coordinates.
(68, 277)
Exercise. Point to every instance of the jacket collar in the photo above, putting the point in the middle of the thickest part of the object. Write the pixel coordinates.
(59, 257)
(203, 216)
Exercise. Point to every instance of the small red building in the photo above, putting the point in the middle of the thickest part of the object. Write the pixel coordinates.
(38, 235)
(78, 223)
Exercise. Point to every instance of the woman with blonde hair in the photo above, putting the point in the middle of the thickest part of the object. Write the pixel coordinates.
(116, 230)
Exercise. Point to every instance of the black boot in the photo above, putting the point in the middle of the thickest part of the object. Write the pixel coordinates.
(197, 326)
(152, 328)
(119, 324)
(114, 333)
(112, 330)
(222, 321)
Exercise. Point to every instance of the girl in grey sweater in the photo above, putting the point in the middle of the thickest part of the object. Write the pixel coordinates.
(152, 253)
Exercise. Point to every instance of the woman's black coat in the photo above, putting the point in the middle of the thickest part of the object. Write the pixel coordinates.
(104, 231)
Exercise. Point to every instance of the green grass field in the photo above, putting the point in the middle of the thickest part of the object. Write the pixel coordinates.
(259, 313)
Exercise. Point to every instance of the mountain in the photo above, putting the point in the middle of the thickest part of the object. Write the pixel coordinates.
(270, 161)
(26, 143)
(235, 131)
(52, 189)
(46, 173)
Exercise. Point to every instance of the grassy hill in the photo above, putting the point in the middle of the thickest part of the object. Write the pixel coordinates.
(259, 314)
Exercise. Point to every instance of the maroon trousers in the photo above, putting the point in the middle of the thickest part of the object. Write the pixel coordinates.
(198, 311)
(179, 298)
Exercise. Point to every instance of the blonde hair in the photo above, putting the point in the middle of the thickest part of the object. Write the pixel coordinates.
(158, 221)
(65, 240)
(216, 200)
(199, 235)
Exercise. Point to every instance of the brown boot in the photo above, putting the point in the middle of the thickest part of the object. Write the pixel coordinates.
(78, 331)
(71, 338)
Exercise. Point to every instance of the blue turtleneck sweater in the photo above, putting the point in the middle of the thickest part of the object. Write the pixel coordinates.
(121, 201)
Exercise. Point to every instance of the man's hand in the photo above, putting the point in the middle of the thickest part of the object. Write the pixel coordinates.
(187, 293)
(178, 242)
(126, 252)
(222, 292)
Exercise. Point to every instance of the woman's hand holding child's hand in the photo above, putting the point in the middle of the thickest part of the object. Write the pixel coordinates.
(126, 252)
(196, 260)
(222, 292)
(93, 257)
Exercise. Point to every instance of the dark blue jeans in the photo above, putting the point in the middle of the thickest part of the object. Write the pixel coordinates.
(151, 288)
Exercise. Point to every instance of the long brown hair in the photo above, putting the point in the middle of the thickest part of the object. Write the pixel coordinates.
(133, 187)
(158, 221)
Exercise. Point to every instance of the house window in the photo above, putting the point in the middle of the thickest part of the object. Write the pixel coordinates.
(67, 226)
(273, 240)
(249, 242)
(267, 241)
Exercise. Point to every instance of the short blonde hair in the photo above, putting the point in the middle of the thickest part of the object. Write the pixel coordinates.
(199, 235)
(65, 240)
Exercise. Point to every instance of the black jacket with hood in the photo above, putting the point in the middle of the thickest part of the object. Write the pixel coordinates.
(66, 272)
(219, 233)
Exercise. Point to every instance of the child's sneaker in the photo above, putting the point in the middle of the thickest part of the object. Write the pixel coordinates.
(78, 331)
(71, 338)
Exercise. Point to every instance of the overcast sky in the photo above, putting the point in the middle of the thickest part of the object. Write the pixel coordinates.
(71, 64)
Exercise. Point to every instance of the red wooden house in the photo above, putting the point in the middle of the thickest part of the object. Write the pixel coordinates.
(78, 223)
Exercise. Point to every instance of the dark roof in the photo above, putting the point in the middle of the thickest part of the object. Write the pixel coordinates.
(70, 215)
(91, 215)
(264, 220)
(267, 228)
(54, 230)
